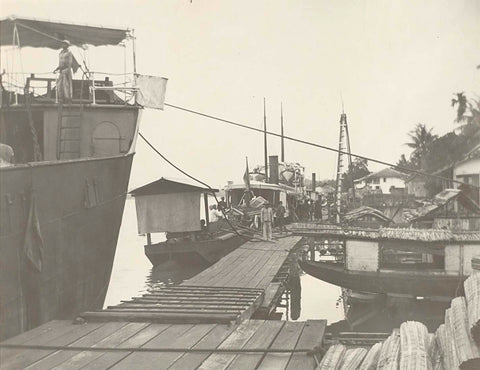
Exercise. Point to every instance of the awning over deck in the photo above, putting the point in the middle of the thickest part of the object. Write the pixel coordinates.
(48, 34)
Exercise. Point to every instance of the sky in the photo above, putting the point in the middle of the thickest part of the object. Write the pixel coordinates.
(393, 64)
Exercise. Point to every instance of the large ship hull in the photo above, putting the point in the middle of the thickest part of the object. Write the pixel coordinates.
(70, 213)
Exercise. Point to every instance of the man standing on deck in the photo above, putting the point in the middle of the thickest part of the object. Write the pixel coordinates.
(266, 217)
(222, 205)
(215, 214)
(280, 216)
(64, 80)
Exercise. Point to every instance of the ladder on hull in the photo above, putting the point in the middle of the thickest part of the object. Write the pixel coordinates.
(69, 133)
(70, 129)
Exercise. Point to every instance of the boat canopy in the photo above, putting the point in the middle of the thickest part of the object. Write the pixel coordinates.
(47, 34)
(262, 185)
(169, 186)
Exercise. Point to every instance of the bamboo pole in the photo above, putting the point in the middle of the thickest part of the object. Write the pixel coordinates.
(333, 358)
(465, 345)
(371, 359)
(472, 296)
(390, 352)
(414, 345)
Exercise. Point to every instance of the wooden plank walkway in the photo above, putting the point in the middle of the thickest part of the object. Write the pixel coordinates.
(127, 345)
(184, 304)
(229, 291)
(253, 265)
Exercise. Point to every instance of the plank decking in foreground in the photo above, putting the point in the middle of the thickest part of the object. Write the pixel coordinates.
(126, 345)
(230, 290)
(167, 327)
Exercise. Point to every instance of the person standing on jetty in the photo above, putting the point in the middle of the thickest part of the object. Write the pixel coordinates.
(266, 217)
(222, 205)
(64, 80)
(280, 217)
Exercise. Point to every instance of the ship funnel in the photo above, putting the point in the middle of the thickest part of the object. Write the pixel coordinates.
(273, 178)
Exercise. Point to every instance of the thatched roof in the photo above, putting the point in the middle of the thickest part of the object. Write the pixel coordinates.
(414, 235)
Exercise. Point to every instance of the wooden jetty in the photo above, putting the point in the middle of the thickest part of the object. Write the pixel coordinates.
(202, 323)
(230, 290)
(253, 344)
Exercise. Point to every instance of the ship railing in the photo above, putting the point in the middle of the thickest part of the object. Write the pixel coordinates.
(108, 87)
(85, 91)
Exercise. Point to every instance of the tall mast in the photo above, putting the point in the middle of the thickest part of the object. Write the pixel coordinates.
(343, 149)
(283, 141)
(265, 139)
(349, 158)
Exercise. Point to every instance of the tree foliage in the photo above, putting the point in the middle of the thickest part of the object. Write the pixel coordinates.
(357, 170)
(404, 164)
(421, 139)
(461, 102)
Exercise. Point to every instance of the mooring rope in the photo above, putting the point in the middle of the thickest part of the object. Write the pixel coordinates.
(197, 180)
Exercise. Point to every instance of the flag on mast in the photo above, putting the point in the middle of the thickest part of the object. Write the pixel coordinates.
(246, 180)
(246, 176)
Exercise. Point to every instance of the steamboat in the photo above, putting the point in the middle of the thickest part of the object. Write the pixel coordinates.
(63, 194)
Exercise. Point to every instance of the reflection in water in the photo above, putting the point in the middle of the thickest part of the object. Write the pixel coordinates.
(383, 313)
(171, 273)
(294, 288)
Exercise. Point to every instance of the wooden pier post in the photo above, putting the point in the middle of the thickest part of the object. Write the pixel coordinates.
(207, 218)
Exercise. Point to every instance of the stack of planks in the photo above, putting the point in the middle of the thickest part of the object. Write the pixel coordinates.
(184, 304)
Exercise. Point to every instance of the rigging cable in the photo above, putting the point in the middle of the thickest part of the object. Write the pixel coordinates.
(197, 180)
(305, 142)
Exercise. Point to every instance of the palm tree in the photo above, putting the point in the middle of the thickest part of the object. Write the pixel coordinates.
(422, 137)
(403, 163)
(461, 101)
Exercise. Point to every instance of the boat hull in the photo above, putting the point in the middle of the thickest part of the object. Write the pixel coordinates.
(408, 283)
(78, 207)
(188, 252)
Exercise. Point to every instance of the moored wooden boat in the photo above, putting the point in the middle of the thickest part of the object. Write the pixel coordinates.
(416, 283)
(173, 207)
(187, 251)
(416, 262)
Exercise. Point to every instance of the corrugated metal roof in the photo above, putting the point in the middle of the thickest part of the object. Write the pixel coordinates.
(365, 210)
(439, 201)
(165, 186)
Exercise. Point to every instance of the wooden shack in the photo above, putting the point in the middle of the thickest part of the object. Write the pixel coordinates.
(167, 205)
